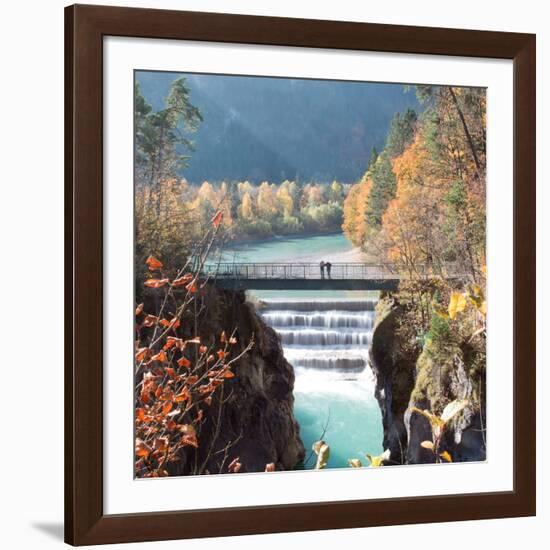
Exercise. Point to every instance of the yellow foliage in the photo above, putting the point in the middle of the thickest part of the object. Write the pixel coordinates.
(457, 304)
(377, 461)
(285, 200)
(246, 210)
(445, 455)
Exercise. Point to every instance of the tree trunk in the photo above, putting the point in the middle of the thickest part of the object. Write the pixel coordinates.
(466, 131)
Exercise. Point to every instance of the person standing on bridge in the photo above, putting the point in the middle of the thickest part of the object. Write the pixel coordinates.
(328, 265)
(322, 265)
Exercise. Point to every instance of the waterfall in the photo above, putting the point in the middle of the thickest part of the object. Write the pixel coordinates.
(323, 334)
(321, 319)
(319, 304)
(327, 342)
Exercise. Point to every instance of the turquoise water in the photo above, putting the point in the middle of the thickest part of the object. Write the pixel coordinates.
(352, 413)
(326, 337)
(283, 249)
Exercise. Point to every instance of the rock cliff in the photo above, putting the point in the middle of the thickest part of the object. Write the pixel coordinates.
(410, 376)
(252, 419)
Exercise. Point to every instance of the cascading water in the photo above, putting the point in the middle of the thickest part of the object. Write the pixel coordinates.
(325, 336)
(327, 342)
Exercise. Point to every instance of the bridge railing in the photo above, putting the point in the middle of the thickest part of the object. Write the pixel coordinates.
(296, 270)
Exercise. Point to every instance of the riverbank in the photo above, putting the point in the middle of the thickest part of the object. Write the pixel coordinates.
(355, 255)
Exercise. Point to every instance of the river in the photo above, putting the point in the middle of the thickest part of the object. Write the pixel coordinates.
(326, 337)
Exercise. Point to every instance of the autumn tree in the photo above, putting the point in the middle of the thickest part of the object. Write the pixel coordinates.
(425, 207)
(181, 374)
(355, 205)
(384, 185)
(246, 210)
(267, 201)
(162, 146)
(163, 137)
(285, 200)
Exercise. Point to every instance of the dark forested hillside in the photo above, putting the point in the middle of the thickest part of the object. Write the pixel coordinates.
(272, 129)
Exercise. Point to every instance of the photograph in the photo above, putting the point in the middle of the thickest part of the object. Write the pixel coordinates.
(286, 266)
(309, 274)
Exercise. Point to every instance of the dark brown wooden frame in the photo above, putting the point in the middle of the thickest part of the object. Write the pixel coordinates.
(85, 27)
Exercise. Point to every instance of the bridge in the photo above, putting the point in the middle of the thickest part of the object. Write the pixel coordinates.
(306, 276)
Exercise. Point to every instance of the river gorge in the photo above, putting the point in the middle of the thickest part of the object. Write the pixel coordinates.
(325, 336)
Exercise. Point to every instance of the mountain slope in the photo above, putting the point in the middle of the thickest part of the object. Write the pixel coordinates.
(258, 128)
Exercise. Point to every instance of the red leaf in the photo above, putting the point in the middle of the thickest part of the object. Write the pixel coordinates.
(192, 286)
(270, 467)
(221, 354)
(182, 396)
(142, 449)
(169, 344)
(183, 280)
(167, 407)
(170, 372)
(190, 440)
(139, 309)
(149, 321)
(175, 323)
(153, 263)
(156, 283)
(172, 341)
(141, 354)
(184, 362)
(203, 349)
(144, 397)
(161, 443)
(217, 219)
(160, 356)
(171, 424)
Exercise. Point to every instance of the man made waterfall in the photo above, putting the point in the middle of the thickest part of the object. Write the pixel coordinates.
(327, 342)
(326, 337)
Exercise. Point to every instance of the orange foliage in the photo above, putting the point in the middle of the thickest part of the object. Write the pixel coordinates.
(355, 206)
(412, 220)
(173, 391)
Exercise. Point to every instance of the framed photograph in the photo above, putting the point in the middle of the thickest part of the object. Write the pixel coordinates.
(300, 275)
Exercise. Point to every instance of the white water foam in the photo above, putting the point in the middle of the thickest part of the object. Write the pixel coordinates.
(327, 342)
